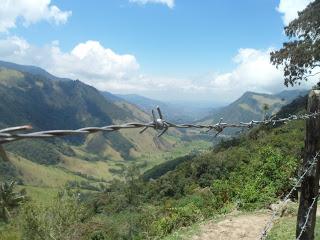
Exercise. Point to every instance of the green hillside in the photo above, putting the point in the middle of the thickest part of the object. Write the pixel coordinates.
(254, 106)
(30, 95)
(244, 174)
(46, 104)
(203, 186)
(125, 185)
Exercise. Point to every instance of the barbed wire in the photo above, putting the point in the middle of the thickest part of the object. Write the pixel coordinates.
(158, 123)
(162, 126)
(309, 166)
(304, 226)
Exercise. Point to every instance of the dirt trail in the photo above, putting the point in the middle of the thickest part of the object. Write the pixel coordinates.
(245, 227)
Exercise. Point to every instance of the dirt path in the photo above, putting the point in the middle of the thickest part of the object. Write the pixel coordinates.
(245, 227)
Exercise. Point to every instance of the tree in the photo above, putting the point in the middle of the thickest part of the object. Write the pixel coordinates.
(300, 56)
(265, 109)
(9, 199)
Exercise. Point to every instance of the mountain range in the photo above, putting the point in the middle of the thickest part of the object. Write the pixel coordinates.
(31, 95)
(174, 111)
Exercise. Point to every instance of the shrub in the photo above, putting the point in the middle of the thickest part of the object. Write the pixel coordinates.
(175, 218)
(60, 220)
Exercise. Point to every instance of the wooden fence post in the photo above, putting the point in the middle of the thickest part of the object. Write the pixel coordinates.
(310, 184)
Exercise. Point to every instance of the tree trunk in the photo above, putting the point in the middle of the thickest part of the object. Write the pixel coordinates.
(3, 154)
(310, 184)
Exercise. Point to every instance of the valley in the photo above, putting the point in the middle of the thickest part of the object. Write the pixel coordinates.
(33, 96)
(159, 120)
(185, 172)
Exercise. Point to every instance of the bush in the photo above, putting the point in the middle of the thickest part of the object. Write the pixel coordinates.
(258, 185)
(60, 220)
(175, 218)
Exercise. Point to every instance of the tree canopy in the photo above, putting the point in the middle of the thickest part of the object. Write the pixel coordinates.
(300, 56)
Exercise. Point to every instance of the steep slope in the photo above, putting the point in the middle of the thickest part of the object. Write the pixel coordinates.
(251, 106)
(67, 104)
(32, 70)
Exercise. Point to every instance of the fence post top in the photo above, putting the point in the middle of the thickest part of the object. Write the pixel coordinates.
(314, 92)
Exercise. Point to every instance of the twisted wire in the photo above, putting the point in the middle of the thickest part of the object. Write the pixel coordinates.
(309, 166)
(304, 226)
(158, 123)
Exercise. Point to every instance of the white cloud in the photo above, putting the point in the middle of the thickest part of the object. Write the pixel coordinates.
(107, 70)
(253, 72)
(169, 3)
(290, 9)
(89, 61)
(29, 11)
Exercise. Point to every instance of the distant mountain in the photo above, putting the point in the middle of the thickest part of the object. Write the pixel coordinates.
(30, 95)
(290, 95)
(176, 112)
(32, 70)
(250, 106)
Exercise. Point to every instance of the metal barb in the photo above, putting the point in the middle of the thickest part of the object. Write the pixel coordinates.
(304, 226)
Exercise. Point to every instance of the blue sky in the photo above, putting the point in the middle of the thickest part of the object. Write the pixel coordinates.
(209, 50)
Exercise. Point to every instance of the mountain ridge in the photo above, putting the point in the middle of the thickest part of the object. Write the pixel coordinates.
(70, 104)
(254, 106)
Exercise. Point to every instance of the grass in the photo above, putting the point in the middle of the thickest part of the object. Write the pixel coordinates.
(9, 232)
(184, 233)
(41, 175)
(39, 195)
(286, 227)
(180, 150)
(98, 169)
(188, 232)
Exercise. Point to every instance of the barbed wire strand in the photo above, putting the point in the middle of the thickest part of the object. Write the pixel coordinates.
(158, 123)
(304, 226)
(309, 166)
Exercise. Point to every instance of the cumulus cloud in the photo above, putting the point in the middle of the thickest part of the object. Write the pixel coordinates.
(169, 3)
(290, 9)
(107, 70)
(253, 71)
(29, 11)
(88, 61)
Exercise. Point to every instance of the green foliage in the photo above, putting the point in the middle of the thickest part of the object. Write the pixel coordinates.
(301, 54)
(175, 218)
(7, 171)
(62, 219)
(9, 199)
(43, 152)
(9, 231)
(165, 167)
(258, 185)
(286, 229)
(247, 173)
